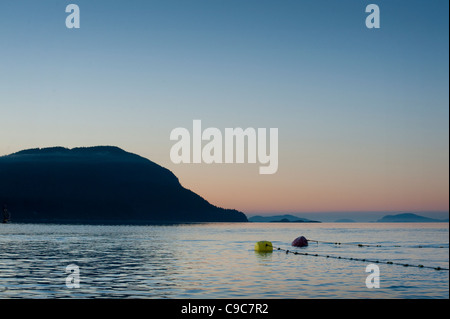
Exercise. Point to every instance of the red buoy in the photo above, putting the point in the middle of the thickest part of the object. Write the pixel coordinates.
(300, 242)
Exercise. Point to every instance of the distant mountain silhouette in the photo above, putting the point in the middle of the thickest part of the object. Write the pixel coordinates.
(101, 184)
(281, 219)
(408, 218)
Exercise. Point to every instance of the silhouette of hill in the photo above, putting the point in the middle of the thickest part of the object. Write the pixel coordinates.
(101, 184)
(281, 219)
(408, 218)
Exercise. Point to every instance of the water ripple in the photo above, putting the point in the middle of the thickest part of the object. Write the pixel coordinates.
(218, 261)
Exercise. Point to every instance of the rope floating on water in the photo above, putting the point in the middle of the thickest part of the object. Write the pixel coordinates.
(360, 245)
(359, 259)
(338, 243)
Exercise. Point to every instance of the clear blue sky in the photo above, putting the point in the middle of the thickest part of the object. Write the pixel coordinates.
(363, 114)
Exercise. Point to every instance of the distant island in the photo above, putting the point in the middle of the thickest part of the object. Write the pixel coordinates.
(399, 218)
(280, 219)
(98, 185)
(408, 218)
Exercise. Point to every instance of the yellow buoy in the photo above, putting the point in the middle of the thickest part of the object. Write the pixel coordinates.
(264, 246)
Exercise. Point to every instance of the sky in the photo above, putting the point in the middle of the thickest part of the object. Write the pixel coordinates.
(362, 114)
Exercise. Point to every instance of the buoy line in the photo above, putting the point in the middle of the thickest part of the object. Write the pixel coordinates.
(338, 243)
(364, 245)
(267, 247)
(359, 259)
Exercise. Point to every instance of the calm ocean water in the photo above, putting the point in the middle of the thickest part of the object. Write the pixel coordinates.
(218, 261)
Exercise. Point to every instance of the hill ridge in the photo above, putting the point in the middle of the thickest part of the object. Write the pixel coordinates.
(100, 183)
